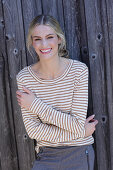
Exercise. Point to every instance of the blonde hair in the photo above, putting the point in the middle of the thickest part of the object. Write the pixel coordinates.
(53, 23)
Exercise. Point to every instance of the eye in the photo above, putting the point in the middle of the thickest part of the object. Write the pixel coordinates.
(37, 39)
(50, 37)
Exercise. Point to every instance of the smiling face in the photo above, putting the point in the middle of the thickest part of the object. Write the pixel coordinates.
(45, 42)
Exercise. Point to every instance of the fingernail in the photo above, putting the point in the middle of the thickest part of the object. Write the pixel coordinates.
(96, 122)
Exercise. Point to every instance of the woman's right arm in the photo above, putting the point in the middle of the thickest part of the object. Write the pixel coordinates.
(38, 130)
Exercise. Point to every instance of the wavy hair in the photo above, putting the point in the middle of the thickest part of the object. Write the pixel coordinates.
(53, 23)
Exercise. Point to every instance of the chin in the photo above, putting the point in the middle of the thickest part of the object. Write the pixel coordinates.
(46, 57)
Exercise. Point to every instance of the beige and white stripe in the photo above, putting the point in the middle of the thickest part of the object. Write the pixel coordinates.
(58, 113)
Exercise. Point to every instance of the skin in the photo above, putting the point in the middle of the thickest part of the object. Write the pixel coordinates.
(50, 64)
(44, 37)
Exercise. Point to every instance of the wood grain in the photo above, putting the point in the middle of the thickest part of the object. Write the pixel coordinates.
(88, 28)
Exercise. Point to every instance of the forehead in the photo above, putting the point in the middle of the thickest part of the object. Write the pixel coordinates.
(42, 30)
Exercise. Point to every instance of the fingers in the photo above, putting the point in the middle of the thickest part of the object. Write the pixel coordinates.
(18, 92)
(18, 99)
(90, 118)
(93, 125)
(19, 96)
(26, 90)
(95, 122)
(90, 127)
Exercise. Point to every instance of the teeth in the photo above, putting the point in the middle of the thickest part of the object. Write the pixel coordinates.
(45, 50)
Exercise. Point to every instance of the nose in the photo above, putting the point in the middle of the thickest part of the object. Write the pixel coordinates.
(44, 43)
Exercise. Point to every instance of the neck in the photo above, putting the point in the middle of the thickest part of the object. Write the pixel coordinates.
(50, 67)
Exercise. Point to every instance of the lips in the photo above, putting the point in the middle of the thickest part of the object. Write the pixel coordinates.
(45, 51)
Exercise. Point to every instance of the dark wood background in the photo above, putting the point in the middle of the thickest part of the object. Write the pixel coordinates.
(88, 26)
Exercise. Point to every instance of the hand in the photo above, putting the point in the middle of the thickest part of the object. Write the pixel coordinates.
(90, 127)
(25, 98)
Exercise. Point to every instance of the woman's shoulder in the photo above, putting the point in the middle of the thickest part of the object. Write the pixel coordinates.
(22, 73)
(78, 65)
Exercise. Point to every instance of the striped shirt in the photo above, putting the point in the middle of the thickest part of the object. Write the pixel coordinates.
(57, 115)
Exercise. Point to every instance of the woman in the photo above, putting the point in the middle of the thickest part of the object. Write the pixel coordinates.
(53, 95)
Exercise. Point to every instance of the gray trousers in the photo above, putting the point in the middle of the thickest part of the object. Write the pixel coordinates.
(65, 158)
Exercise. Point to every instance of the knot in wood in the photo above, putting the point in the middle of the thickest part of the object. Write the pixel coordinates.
(93, 56)
(2, 23)
(85, 51)
(99, 37)
(8, 37)
(25, 137)
(103, 119)
(15, 51)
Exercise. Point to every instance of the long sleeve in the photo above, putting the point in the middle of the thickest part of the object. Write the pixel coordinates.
(73, 122)
(40, 131)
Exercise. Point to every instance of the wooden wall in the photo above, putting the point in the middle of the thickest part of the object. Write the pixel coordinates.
(88, 26)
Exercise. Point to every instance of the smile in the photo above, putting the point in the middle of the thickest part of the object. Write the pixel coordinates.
(45, 51)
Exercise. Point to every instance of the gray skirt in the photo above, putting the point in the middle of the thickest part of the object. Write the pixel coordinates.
(65, 158)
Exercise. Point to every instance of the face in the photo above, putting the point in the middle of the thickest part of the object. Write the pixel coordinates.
(45, 42)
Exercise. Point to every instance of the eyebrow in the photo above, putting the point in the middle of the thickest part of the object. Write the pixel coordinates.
(40, 37)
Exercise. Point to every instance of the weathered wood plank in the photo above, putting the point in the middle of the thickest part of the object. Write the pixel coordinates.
(8, 148)
(71, 28)
(107, 18)
(82, 38)
(89, 32)
(32, 9)
(7, 136)
(84, 55)
(15, 44)
(97, 69)
(55, 9)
